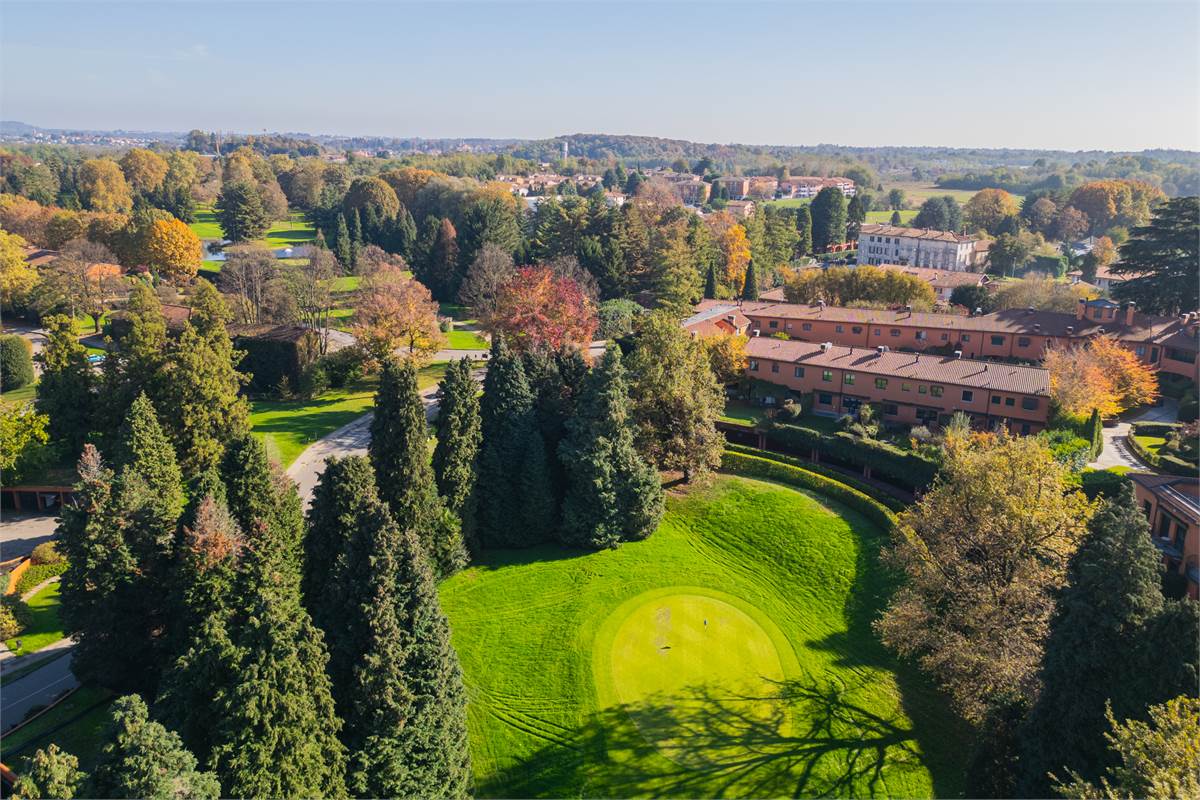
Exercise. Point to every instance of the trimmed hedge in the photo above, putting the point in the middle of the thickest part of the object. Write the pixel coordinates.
(270, 358)
(1167, 463)
(767, 469)
(16, 362)
(911, 470)
(1101, 483)
(893, 503)
(38, 573)
(1163, 429)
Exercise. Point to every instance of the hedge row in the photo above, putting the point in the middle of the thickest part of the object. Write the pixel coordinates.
(38, 573)
(759, 467)
(893, 503)
(904, 468)
(1163, 429)
(1167, 463)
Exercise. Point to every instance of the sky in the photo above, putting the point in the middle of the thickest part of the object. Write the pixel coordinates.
(1060, 75)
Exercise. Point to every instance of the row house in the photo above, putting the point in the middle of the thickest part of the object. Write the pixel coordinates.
(1172, 504)
(916, 247)
(1169, 344)
(735, 186)
(908, 388)
(809, 186)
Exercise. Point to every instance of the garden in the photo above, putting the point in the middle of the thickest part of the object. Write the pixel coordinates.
(729, 654)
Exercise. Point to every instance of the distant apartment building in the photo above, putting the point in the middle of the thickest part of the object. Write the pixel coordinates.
(722, 318)
(740, 209)
(735, 187)
(762, 187)
(907, 388)
(1169, 344)
(690, 188)
(1172, 504)
(916, 247)
(809, 186)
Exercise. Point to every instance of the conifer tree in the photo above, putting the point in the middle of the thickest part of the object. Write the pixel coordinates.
(1097, 648)
(403, 237)
(512, 484)
(143, 759)
(613, 495)
(750, 288)
(400, 455)
(206, 408)
(66, 391)
(139, 364)
(49, 773)
(458, 436)
(710, 283)
(257, 490)
(342, 246)
(444, 275)
(277, 735)
(356, 239)
(803, 231)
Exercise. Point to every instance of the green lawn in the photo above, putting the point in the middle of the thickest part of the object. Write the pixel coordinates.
(919, 192)
(76, 725)
(45, 627)
(1151, 443)
(25, 394)
(885, 217)
(741, 413)
(283, 233)
(289, 426)
(730, 654)
(466, 340)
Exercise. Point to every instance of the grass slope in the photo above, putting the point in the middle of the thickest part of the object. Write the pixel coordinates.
(792, 693)
(282, 233)
(45, 627)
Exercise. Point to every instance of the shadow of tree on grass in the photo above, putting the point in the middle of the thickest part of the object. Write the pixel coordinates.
(797, 740)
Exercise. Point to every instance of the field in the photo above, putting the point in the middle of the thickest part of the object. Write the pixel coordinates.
(284, 233)
(885, 217)
(730, 654)
(76, 725)
(45, 627)
(919, 192)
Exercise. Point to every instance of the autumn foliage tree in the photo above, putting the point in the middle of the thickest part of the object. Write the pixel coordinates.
(173, 250)
(842, 286)
(539, 308)
(1099, 374)
(396, 311)
(987, 208)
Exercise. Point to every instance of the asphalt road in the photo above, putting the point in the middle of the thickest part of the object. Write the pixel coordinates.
(20, 533)
(38, 688)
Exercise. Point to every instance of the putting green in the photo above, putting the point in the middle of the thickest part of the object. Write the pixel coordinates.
(676, 648)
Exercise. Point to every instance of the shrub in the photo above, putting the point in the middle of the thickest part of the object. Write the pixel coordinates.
(893, 503)
(1101, 483)
(1189, 408)
(908, 469)
(1071, 451)
(445, 324)
(1163, 429)
(276, 354)
(314, 381)
(38, 573)
(46, 553)
(343, 367)
(16, 362)
(14, 617)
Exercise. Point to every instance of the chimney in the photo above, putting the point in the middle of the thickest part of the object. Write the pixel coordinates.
(826, 346)
(1129, 309)
(1029, 310)
(908, 310)
(755, 332)
(881, 349)
(1080, 307)
(1037, 326)
(958, 353)
(978, 310)
(1070, 330)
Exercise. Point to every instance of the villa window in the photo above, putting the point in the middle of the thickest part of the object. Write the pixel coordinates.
(995, 399)
(754, 366)
(827, 376)
(1022, 341)
(922, 390)
(997, 341)
(1008, 401)
(881, 383)
(848, 378)
(799, 372)
(774, 366)
(1029, 403)
(895, 331)
(856, 329)
(773, 323)
(921, 336)
(825, 399)
(966, 337)
(968, 396)
(906, 387)
(807, 326)
(890, 409)
(935, 391)
(839, 329)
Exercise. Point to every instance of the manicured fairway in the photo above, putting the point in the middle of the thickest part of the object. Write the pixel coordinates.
(730, 654)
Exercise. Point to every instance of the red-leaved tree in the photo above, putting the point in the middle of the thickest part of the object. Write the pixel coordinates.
(538, 308)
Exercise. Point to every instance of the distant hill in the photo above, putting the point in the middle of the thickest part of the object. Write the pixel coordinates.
(14, 128)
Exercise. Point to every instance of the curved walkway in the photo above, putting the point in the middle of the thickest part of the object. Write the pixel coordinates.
(1117, 452)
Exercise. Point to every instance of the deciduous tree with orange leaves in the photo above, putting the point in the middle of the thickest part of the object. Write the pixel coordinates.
(1100, 374)
(173, 250)
(987, 208)
(396, 311)
(540, 308)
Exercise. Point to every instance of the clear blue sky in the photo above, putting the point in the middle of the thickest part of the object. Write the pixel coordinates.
(1073, 75)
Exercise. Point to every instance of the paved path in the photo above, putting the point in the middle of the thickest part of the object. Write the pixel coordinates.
(35, 336)
(39, 688)
(20, 533)
(9, 662)
(1117, 452)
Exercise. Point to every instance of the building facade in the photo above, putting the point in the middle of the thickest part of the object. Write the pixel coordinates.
(1172, 504)
(908, 388)
(916, 247)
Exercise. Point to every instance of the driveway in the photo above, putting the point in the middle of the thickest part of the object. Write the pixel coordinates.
(20, 533)
(1117, 452)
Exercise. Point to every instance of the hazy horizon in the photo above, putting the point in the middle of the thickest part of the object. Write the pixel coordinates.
(1051, 76)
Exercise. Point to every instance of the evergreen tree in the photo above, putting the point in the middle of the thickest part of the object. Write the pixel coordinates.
(400, 456)
(143, 759)
(277, 735)
(396, 680)
(49, 773)
(856, 214)
(1158, 261)
(486, 221)
(66, 391)
(444, 271)
(422, 260)
(356, 239)
(403, 236)
(750, 288)
(241, 212)
(139, 364)
(1097, 647)
(710, 283)
(512, 484)
(458, 436)
(803, 231)
(342, 245)
(257, 491)
(371, 233)
(206, 407)
(828, 211)
(612, 494)
(896, 219)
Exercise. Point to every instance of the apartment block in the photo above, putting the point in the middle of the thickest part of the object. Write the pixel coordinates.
(1172, 504)
(809, 185)
(908, 388)
(916, 247)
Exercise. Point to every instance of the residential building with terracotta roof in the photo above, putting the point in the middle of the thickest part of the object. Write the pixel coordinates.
(1169, 344)
(917, 247)
(1172, 504)
(741, 209)
(736, 186)
(38, 256)
(908, 388)
(719, 318)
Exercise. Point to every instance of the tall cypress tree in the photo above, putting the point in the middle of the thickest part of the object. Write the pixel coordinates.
(356, 238)
(1097, 643)
(613, 495)
(710, 283)
(139, 364)
(396, 680)
(458, 437)
(803, 231)
(143, 759)
(258, 491)
(444, 271)
(400, 455)
(513, 487)
(203, 395)
(403, 236)
(750, 287)
(341, 245)
(277, 735)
